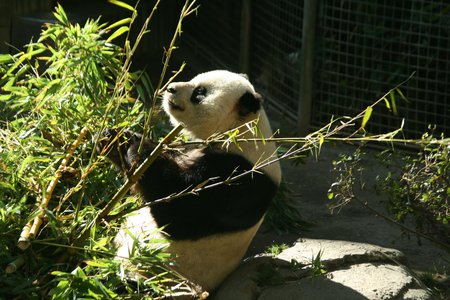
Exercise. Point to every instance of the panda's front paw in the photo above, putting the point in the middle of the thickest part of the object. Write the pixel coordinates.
(104, 140)
(111, 144)
(121, 147)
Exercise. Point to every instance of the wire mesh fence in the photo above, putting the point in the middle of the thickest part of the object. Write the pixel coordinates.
(213, 37)
(275, 52)
(367, 47)
(363, 49)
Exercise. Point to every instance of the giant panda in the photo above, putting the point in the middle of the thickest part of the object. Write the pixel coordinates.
(211, 230)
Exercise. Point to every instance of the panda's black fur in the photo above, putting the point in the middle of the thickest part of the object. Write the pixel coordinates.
(221, 209)
(211, 230)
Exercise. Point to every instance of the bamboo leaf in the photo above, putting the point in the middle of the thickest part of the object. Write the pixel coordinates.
(28, 160)
(388, 105)
(6, 185)
(394, 105)
(5, 58)
(97, 264)
(123, 5)
(118, 33)
(60, 14)
(399, 91)
(367, 114)
(119, 23)
(201, 185)
(321, 140)
(23, 57)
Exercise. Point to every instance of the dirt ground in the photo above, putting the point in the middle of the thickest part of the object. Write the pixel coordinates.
(354, 222)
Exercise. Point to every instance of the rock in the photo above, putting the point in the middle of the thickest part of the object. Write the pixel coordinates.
(339, 252)
(353, 271)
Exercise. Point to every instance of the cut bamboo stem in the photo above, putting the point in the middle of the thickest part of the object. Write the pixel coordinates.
(24, 239)
(31, 230)
(14, 265)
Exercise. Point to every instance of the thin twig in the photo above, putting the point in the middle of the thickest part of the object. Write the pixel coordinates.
(185, 11)
(375, 211)
(313, 140)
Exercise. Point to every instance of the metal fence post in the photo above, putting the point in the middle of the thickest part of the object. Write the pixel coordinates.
(307, 66)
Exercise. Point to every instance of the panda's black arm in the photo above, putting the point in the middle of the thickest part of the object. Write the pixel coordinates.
(223, 208)
(123, 153)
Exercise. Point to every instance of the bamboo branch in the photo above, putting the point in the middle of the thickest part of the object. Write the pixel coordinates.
(187, 9)
(31, 229)
(313, 140)
(122, 191)
(303, 140)
(406, 228)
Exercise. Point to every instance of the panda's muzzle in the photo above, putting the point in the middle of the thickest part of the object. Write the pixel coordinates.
(172, 93)
(174, 106)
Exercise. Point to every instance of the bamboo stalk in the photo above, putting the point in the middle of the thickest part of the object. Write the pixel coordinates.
(24, 239)
(30, 230)
(14, 265)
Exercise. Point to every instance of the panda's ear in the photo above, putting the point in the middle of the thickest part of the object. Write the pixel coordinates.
(249, 103)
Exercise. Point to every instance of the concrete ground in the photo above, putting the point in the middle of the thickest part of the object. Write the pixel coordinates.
(310, 183)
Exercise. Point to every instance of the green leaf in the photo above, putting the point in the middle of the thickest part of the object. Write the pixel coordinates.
(119, 23)
(394, 106)
(388, 105)
(123, 5)
(401, 94)
(60, 14)
(5, 58)
(321, 140)
(95, 264)
(366, 117)
(330, 195)
(118, 33)
(23, 57)
(6, 185)
(58, 273)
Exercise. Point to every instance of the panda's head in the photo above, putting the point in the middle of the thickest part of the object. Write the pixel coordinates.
(212, 102)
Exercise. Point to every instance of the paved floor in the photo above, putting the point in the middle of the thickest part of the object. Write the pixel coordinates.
(354, 222)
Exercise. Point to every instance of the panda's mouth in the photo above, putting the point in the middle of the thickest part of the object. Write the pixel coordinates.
(174, 106)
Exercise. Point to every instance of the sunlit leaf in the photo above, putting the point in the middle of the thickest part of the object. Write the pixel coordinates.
(394, 105)
(119, 23)
(22, 58)
(123, 5)
(5, 58)
(118, 33)
(366, 117)
(321, 140)
(388, 105)
(60, 14)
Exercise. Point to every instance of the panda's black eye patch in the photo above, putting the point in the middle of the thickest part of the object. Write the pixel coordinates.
(198, 94)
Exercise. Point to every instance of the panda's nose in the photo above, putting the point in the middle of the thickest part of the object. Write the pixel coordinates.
(171, 89)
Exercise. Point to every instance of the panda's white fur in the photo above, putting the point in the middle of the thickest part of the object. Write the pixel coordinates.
(218, 114)
(209, 259)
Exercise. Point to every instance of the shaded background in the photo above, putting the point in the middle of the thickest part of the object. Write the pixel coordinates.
(361, 50)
